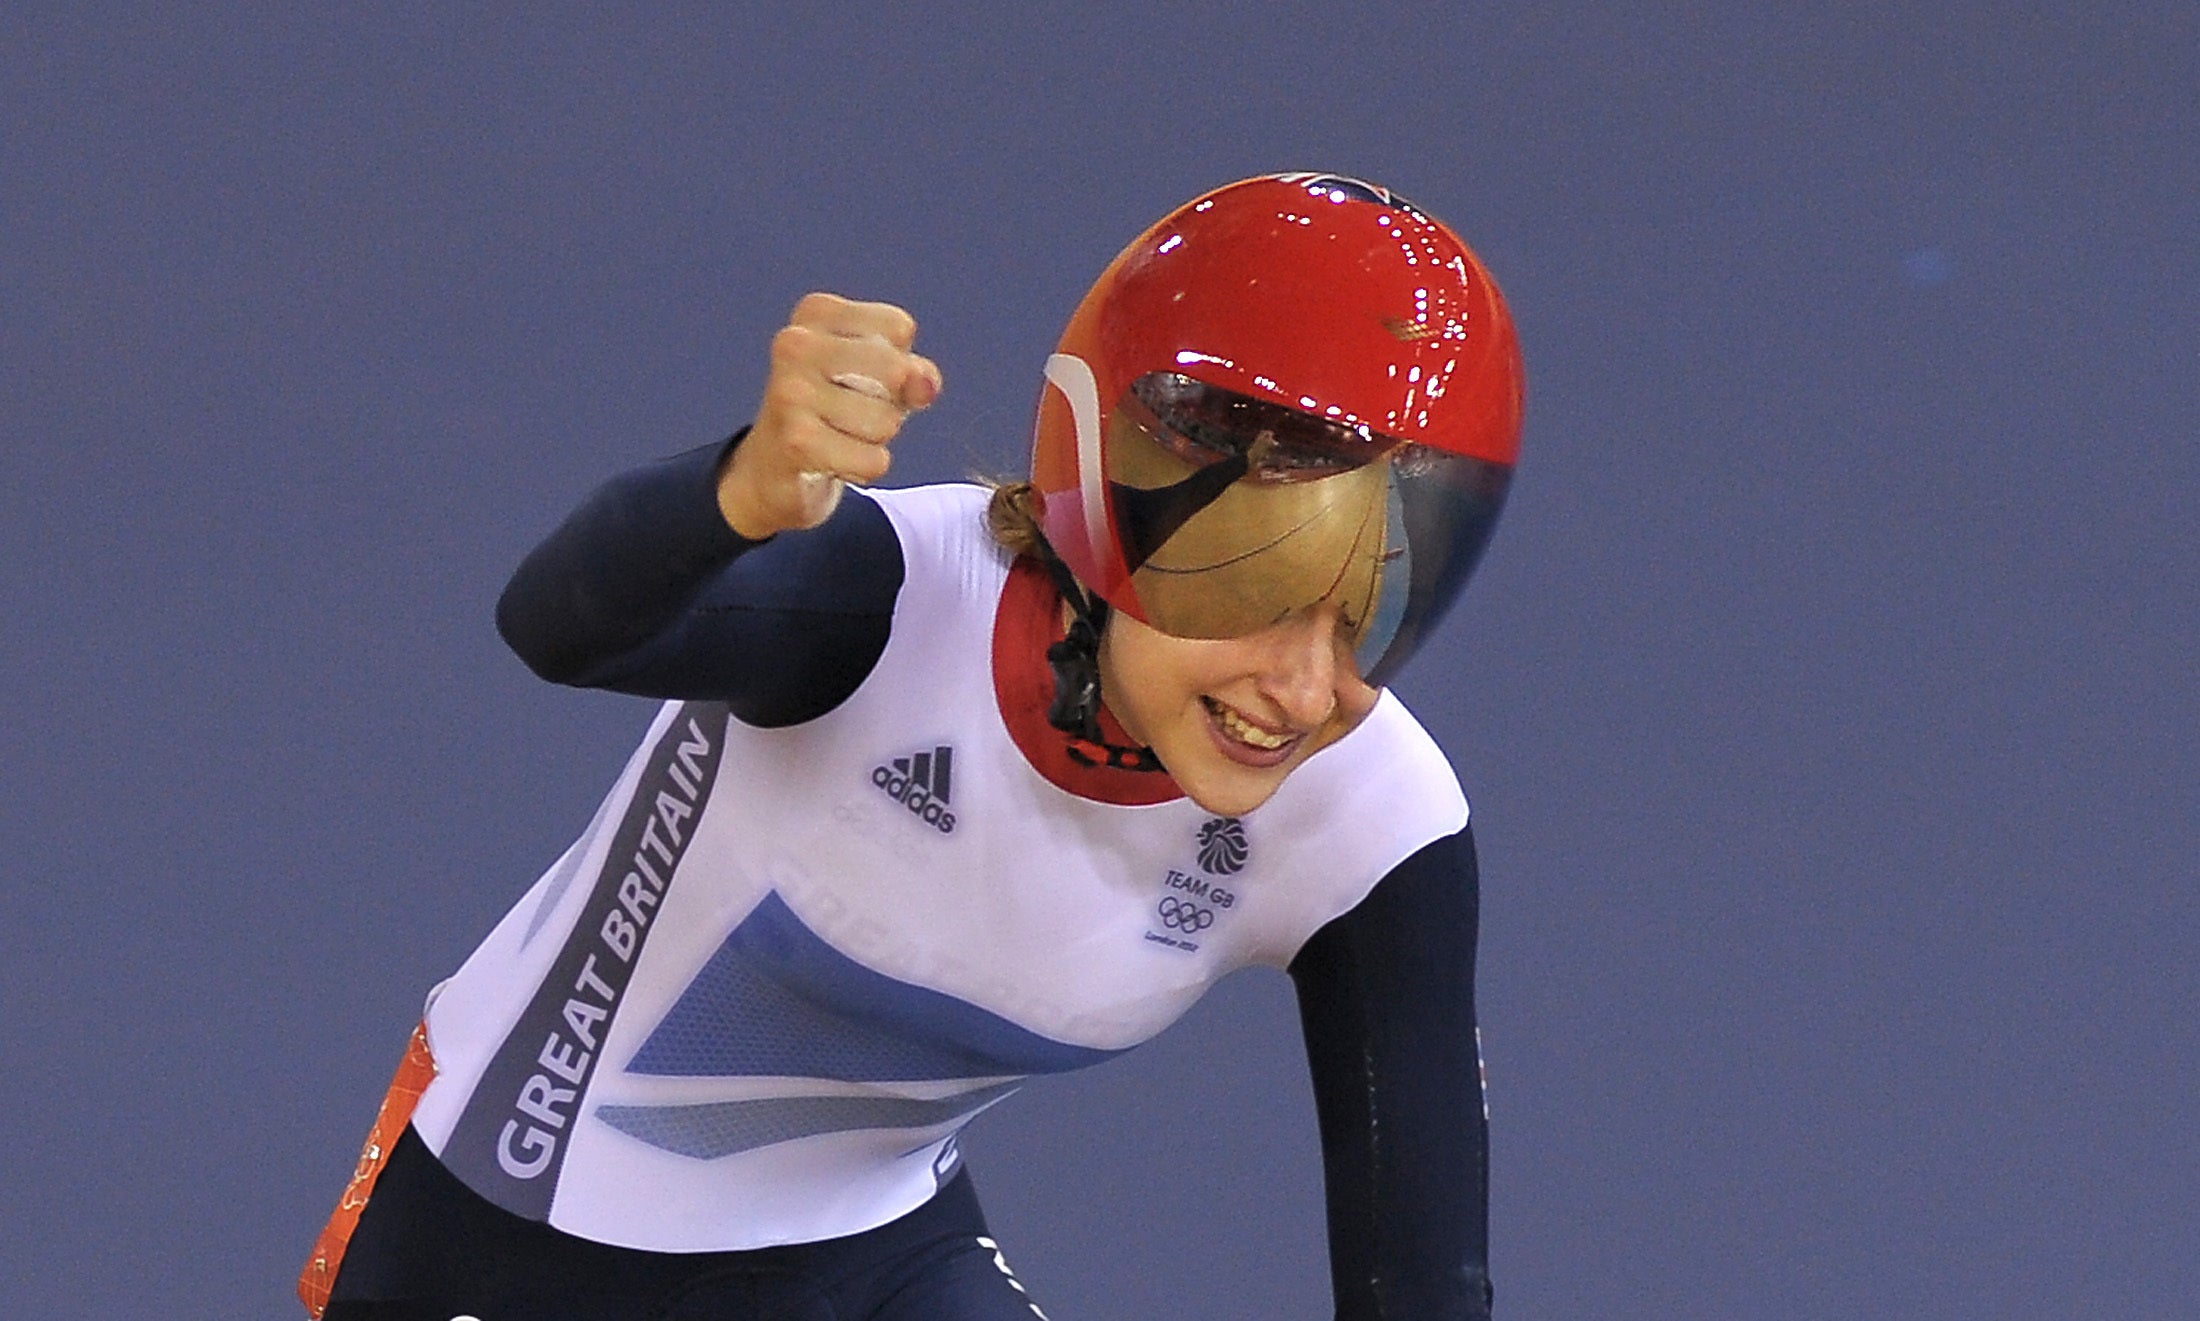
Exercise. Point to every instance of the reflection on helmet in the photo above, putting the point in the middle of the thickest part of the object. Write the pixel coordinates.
(1295, 390)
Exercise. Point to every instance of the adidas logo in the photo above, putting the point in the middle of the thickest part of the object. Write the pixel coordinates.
(920, 783)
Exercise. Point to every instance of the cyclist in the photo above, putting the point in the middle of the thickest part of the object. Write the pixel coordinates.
(956, 785)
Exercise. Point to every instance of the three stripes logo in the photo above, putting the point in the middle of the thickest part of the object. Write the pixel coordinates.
(921, 782)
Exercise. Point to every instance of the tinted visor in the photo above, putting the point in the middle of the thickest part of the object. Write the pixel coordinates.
(1234, 513)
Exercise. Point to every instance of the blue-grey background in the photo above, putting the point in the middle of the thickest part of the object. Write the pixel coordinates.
(1828, 697)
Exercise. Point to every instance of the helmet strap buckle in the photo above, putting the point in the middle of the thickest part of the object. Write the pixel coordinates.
(1075, 660)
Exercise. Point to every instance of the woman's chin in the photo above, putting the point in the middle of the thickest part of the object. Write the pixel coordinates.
(1222, 787)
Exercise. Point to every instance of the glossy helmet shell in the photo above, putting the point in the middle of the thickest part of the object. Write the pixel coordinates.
(1316, 293)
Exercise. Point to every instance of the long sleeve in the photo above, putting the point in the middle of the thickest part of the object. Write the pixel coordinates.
(644, 589)
(1386, 997)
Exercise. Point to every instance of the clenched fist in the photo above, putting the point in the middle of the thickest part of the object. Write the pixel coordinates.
(843, 380)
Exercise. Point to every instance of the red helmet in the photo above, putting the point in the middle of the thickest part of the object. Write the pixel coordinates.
(1297, 388)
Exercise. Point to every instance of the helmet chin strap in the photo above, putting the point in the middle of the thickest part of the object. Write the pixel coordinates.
(1075, 661)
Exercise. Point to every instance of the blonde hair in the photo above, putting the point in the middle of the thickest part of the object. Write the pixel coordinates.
(1012, 516)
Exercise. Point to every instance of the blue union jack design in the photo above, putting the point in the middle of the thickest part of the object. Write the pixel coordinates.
(777, 1001)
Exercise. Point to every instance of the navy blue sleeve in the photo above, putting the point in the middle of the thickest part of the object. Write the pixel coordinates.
(645, 590)
(1386, 996)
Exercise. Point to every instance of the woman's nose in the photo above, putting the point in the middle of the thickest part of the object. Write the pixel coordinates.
(1301, 670)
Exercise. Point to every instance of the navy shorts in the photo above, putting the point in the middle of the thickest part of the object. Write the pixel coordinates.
(428, 1248)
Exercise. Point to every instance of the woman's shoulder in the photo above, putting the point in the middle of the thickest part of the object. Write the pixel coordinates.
(943, 535)
(937, 500)
(1386, 787)
(942, 509)
(1348, 818)
(1400, 748)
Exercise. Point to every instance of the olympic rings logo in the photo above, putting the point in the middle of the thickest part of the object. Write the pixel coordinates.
(1182, 915)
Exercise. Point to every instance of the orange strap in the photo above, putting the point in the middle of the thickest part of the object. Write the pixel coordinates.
(413, 1076)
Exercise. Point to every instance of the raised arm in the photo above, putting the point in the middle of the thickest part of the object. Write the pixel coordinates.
(735, 572)
(1386, 996)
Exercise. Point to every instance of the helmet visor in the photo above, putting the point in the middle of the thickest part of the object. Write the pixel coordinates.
(1234, 513)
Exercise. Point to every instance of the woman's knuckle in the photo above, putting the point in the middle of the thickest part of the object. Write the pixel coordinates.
(782, 396)
(817, 304)
(792, 343)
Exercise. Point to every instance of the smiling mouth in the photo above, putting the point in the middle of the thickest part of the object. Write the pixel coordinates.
(1244, 731)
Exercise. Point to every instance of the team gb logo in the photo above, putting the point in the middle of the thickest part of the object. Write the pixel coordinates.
(1223, 850)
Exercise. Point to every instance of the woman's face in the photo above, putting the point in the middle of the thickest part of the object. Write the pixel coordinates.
(1231, 718)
